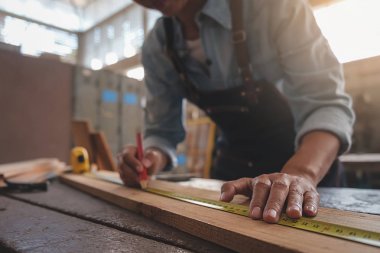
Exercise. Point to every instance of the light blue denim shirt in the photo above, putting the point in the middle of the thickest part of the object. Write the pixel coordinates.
(286, 48)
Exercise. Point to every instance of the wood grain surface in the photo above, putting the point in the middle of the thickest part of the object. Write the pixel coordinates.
(69, 201)
(232, 231)
(27, 228)
(103, 154)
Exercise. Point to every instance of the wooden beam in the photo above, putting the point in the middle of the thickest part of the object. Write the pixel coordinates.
(103, 154)
(81, 132)
(316, 3)
(235, 232)
(124, 64)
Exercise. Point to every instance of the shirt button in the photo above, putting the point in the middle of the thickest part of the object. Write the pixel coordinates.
(243, 93)
(250, 164)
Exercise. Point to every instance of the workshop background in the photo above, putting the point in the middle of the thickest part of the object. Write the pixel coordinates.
(80, 59)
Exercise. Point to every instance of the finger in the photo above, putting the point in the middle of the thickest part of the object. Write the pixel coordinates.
(311, 203)
(129, 158)
(277, 196)
(129, 177)
(295, 199)
(240, 186)
(260, 193)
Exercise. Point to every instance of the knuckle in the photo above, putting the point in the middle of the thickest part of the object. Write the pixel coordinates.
(280, 184)
(262, 185)
(297, 181)
(263, 177)
(295, 192)
(311, 196)
(276, 205)
(258, 202)
(254, 181)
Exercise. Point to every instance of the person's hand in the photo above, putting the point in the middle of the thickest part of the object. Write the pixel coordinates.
(129, 166)
(269, 193)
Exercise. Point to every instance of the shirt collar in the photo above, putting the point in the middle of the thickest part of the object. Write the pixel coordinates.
(218, 10)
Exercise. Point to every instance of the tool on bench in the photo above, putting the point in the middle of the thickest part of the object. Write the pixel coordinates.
(29, 176)
(79, 160)
(95, 144)
(24, 186)
(303, 223)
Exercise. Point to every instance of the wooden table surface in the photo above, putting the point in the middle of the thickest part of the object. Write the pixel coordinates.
(66, 220)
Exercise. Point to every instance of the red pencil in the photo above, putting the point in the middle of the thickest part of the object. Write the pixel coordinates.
(143, 175)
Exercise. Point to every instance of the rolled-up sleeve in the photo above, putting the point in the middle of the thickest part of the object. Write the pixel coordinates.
(314, 81)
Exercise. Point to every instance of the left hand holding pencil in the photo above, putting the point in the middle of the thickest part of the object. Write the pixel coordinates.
(130, 167)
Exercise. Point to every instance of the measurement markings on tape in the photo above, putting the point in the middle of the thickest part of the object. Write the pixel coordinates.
(308, 224)
(304, 223)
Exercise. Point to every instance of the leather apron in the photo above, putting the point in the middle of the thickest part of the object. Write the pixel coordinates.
(255, 121)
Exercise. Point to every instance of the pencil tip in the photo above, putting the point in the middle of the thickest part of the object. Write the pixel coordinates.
(144, 184)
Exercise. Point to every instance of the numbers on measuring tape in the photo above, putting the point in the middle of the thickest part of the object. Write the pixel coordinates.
(307, 224)
(303, 223)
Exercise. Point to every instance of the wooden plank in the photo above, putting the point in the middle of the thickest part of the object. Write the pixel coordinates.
(35, 168)
(82, 136)
(232, 231)
(317, 3)
(70, 201)
(28, 228)
(103, 157)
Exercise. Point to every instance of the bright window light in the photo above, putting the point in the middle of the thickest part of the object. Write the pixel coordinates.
(352, 28)
(34, 39)
(14, 31)
(96, 64)
(38, 40)
(129, 50)
(111, 58)
(136, 73)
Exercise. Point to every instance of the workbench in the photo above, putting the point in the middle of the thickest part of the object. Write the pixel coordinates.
(66, 220)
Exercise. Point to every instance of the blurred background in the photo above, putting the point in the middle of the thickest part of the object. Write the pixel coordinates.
(80, 59)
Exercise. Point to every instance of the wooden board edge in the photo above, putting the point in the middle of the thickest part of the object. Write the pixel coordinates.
(207, 227)
(213, 234)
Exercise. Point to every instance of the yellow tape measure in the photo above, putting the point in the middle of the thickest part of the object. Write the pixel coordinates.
(308, 224)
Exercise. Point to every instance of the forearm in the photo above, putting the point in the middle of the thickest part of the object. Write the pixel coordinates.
(316, 153)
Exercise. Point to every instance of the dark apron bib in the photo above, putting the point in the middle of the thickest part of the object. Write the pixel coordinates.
(255, 120)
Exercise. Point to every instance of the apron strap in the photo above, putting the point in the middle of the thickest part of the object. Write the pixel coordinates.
(239, 40)
(190, 89)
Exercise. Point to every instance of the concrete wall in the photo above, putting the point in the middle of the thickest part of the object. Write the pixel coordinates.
(35, 107)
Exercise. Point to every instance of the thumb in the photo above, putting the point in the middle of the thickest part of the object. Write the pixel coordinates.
(150, 161)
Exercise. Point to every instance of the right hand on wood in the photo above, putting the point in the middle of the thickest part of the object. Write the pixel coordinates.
(271, 192)
(129, 166)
